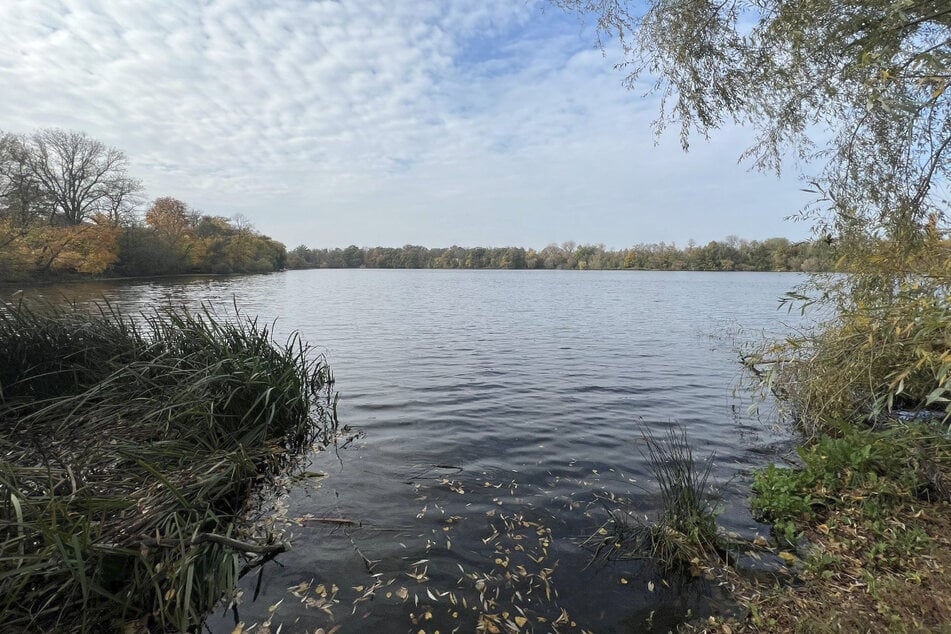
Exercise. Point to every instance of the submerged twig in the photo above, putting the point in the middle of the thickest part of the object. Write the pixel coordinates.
(334, 520)
(201, 538)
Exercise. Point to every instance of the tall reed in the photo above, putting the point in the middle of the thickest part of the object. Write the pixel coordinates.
(684, 534)
(130, 449)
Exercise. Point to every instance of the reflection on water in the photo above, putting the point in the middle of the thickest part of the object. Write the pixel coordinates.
(500, 413)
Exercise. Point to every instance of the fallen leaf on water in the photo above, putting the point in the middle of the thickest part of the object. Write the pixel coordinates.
(788, 557)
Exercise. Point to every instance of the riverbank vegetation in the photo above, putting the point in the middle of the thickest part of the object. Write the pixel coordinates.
(131, 450)
(731, 254)
(68, 207)
(863, 524)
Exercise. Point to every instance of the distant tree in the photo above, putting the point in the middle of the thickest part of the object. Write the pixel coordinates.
(174, 226)
(512, 258)
(121, 202)
(67, 204)
(531, 259)
(476, 258)
(170, 217)
(77, 174)
(743, 255)
(242, 224)
(588, 256)
(85, 248)
(353, 256)
(301, 258)
(553, 257)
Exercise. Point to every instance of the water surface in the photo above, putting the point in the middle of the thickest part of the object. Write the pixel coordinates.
(499, 416)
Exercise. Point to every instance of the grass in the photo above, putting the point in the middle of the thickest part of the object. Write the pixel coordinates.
(685, 534)
(130, 450)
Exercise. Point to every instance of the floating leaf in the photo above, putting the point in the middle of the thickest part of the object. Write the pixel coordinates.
(788, 557)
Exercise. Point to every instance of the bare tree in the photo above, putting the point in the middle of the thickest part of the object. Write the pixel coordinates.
(122, 200)
(242, 224)
(78, 173)
(21, 196)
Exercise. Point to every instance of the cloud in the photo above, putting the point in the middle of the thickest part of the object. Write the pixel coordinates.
(432, 121)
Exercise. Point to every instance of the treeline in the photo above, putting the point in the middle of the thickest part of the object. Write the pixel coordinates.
(69, 206)
(732, 254)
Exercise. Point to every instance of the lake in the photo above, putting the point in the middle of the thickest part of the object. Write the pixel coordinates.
(496, 417)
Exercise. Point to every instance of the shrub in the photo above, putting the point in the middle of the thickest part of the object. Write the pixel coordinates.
(873, 471)
(880, 352)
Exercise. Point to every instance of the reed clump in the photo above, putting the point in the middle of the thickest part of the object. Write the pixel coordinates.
(130, 450)
(684, 536)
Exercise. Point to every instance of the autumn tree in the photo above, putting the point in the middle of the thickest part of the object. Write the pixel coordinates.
(171, 217)
(35, 234)
(68, 205)
(173, 224)
(86, 248)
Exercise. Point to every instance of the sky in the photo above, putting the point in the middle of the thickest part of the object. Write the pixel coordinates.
(371, 122)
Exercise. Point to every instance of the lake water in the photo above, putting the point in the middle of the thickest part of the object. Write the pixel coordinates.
(497, 417)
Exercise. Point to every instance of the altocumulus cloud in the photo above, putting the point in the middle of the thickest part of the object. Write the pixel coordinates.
(432, 121)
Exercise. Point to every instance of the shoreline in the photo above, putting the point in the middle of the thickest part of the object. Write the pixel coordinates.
(870, 555)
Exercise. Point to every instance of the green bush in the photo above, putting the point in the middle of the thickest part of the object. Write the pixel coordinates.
(877, 470)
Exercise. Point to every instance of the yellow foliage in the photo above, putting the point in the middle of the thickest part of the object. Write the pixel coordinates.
(85, 248)
(14, 252)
